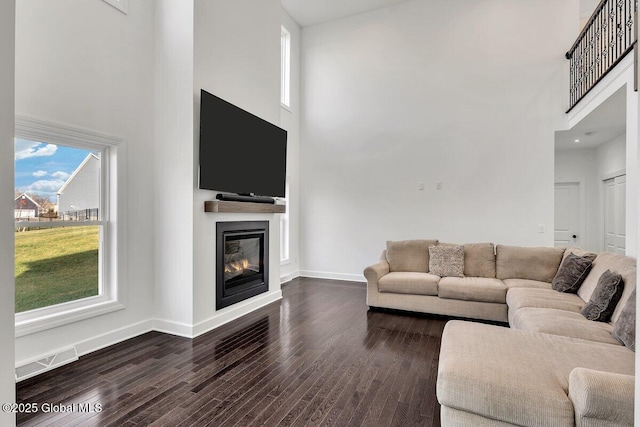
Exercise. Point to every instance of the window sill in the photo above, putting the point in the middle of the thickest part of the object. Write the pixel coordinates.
(42, 319)
(285, 261)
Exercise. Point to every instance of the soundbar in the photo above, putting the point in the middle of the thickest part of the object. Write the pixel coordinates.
(242, 198)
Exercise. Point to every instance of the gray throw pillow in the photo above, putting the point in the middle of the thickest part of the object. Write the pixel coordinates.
(446, 260)
(624, 330)
(605, 297)
(571, 274)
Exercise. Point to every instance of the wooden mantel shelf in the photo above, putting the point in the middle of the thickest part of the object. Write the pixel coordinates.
(242, 207)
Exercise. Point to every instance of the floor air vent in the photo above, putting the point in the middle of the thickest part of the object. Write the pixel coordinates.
(46, 364)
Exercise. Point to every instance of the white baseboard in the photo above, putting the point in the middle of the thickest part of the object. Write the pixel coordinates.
(289, 277)
(100, 341)
(113, 337)
(334, 276)
(173, 328)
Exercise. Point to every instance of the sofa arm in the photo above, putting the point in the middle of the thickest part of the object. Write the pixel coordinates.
(601, 398)
(374, 272)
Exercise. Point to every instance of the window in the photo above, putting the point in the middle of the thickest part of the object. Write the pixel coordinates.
(285, 67)
(284, 228)
(64, 209)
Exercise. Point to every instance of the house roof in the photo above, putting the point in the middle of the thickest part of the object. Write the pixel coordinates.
(75, 172)
(28, 197)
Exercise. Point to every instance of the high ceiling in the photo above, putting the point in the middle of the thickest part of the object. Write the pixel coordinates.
(311, 12)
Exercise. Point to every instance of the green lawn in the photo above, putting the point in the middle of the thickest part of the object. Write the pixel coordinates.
(55, 265)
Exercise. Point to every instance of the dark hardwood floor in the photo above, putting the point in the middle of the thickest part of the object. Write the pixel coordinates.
(318, 357)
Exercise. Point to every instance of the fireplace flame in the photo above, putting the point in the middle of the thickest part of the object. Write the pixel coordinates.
(236, 266)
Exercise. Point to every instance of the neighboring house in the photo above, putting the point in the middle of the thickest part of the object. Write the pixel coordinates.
(82, 190)
(25, 207)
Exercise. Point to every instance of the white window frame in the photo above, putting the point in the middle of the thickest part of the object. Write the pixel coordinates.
(109, 299)
(285, 67)
(284, 229)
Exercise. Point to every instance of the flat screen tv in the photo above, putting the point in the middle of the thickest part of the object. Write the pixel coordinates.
(240, 152)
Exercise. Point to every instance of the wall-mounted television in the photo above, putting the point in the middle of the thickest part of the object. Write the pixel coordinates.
(240, 152)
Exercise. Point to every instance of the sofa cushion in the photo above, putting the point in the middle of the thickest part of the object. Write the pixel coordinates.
(479, 260)
(516, 262)
(446, 260)
(563, 323)
(480, 289)
(526, 283)
(518, 377)
(409, 283)
(604, 298)
(571, 274)
(624, 329)
(518, 298)
(409, 255)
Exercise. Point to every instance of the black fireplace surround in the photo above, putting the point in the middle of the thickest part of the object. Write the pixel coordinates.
(242, 261)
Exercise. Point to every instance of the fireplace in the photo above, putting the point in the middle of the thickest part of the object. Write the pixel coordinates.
(242, 261)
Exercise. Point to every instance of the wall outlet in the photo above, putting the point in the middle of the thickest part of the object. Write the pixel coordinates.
(541, 228)
(421, 186)
(438, 186)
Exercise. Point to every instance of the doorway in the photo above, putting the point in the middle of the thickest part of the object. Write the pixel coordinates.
(568, 221)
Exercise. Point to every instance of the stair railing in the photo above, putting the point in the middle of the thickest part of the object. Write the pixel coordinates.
(609, 35)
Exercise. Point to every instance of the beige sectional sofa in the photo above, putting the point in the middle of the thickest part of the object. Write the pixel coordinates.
(551, 367)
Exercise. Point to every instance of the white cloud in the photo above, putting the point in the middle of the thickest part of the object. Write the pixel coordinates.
(26, 149)
(61, 175)
(40, 174)
(44, 186)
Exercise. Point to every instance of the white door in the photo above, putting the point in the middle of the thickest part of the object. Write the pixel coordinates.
(614, 215)
(567, 215)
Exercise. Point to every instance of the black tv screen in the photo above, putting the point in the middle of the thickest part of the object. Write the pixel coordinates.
(239, 152)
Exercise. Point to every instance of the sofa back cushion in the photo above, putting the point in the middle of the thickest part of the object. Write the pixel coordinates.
(620, 264)
(409, 255)
(479, 260)
(517, 262)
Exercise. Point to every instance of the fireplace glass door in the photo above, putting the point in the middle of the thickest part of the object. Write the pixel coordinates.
(242, 261)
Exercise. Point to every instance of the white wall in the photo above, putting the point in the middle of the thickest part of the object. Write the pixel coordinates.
(290, 120)
(236, 57)
(611, 158)
(88, 65)
(173, 166)
(466, 93)
(7, 286)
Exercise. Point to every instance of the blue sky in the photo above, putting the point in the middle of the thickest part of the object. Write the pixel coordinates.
(42, 168)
